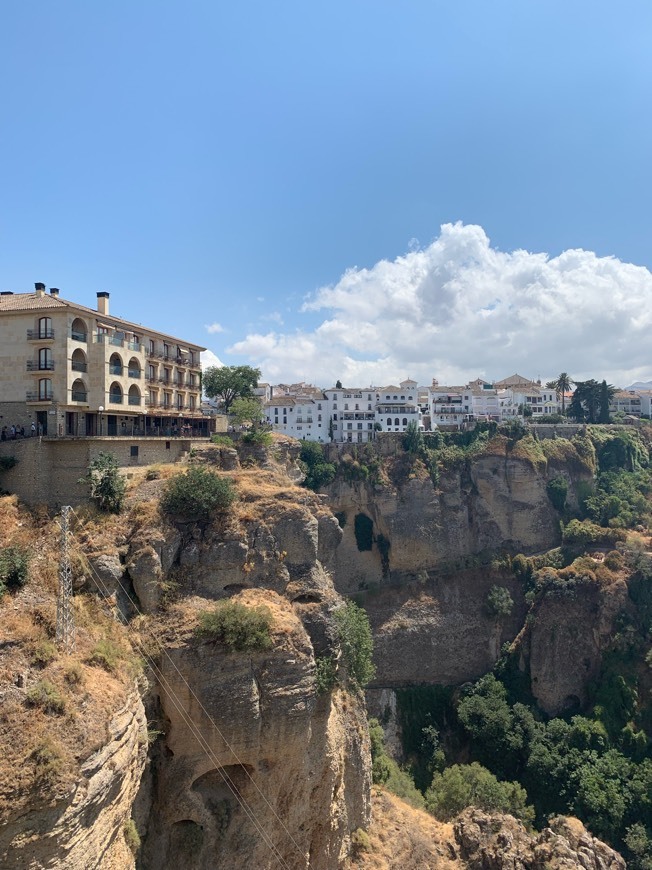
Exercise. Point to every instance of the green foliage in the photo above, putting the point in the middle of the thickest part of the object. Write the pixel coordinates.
(132, 838)
(557, 490)
(247, 410)
(107, 485)
(197, 494)
(357, 643)
(229, 383)
(319, 472)
(385, 771)
(582, 533)
(258, 437)
(499, 602)
(360, 841)
(47, 696)
(50, 760)
(325, 674)
(222, 440)
(364, 532)
(107, 654)
(43, 653)
(465, 785)
(413, 439)
(238, 627)
(14, 568)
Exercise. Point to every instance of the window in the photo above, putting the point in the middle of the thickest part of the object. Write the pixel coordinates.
(45, 328)
(396, 422)
(346, 406)
(405, 421)
(133, 451)
(152, 346)
(349, 425)
(335, 406)
(45, 388)
(359, 425)
(45, 359)
(389, 421)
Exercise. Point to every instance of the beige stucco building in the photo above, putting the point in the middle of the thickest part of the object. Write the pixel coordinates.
(78, 371)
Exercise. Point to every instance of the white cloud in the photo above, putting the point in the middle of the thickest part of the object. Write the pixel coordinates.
(213, 327)
(273, 317)
(208, 358)
(459, 309)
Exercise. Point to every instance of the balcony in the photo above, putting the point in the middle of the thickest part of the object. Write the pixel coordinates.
(115, 370)
(40, 334)
(39, 397)
(115, 398)
(134, 400)
(78, 366)
(78, 336)
(133, 373)
(79, 396)
(136, 346)
(39, 366)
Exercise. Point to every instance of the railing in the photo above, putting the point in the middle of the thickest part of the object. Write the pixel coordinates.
(135, 345)
(79, 396)
(38, 366)
(133, 373)
(115, 370)
(78, 366)
(78, 336)
(115, 398)
(39, 334)
(39, 397)
(134, 400)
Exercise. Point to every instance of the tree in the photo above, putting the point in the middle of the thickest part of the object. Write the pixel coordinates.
(464, 785)
(197, 494)
(357, 642)
(561, 386)
(247, 410)
(229, 383)
(606, 395)
(338, 385)
(413, 439)
(590, 402)
(107, 484)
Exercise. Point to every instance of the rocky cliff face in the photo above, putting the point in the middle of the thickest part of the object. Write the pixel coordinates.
(81, 828)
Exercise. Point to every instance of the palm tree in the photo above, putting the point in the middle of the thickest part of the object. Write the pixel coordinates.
(561, 386)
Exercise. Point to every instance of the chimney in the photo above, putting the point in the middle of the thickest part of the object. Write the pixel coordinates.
(103, 303)
(54, 291)
(40, 289)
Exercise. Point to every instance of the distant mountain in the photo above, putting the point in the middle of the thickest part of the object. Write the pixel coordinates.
(640, 385)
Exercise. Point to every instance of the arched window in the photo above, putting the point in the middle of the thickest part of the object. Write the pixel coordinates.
(115, 393)
(79, 393)
(78, 362)
(45, 363)
(134, 395)
(397, 422)
(78, 330)
(45, 327)
(405, 421)
(115, 364)
(133, 368)
(45, 388)
(389, 421)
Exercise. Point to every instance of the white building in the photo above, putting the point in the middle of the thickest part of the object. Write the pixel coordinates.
(300, 417)
(450, 407)
(397, 407)
(352, 413)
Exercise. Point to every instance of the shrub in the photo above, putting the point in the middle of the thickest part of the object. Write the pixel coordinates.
(45, 695)
(413, 439)
(386, 772)
(107, 655)
(50, 760)
(557, 490)
(357, 642)
(74, 674)
(241, 628)
(499, 602)
(14, 564)
(43, 652)
(257, 436)
(360, 841)
(197, 493)
(318, 471)
(325, 674)
(132, 837)
(153, 474)
(222, 440)
(107, 485)
(464, 785)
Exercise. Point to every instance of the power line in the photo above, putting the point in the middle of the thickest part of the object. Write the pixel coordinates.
(197, 733)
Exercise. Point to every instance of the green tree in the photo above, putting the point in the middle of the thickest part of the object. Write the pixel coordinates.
(413, 439)
(319, 472)
(499, 602)
(237, 626)
(606, 395)
(590, 401)
(465, 785)
(196, 494)
(356, 642)
(107, 485)
(229, 383)
(14, 564)
(247, 410)
(338, 385)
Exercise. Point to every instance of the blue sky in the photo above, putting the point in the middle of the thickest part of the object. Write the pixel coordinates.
(241, 165)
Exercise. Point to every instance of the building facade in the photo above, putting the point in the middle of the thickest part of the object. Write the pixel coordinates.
(75, 371)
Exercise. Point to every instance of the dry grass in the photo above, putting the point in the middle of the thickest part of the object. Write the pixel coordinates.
(401, 836)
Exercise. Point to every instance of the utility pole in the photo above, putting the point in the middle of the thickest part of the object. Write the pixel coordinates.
(65, 621)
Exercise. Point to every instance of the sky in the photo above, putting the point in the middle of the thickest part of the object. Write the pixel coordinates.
(362, 191)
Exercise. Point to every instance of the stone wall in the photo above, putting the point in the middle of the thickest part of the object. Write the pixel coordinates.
(49, 469)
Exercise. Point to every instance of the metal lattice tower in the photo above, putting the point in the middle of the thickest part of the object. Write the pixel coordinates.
(65, 620)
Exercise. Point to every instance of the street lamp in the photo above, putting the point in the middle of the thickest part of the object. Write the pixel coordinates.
(101, 410)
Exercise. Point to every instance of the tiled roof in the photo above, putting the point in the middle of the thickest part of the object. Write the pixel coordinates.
(34, 302)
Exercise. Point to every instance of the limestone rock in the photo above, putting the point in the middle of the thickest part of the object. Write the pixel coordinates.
(146, 574)
(296, 533)
(106, 575)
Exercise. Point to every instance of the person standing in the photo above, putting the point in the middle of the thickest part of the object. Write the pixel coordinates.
(33, 428)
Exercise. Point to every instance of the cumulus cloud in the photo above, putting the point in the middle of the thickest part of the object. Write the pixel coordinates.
(459, 309)
(207, 358)
(213, 327)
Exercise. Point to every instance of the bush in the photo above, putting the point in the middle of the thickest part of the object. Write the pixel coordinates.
(107, 485)
(50, 760)
(357, 642)
(259, 437)
(45, 695)
(557, 490)
(318, 471)
(386, 772)
(132, 837)
(14, 564)
(413, 439)
(106, 654)
(43, 652)
(465, 785)
(241, 628)
(222, 440)
(360, 841)
(196, 494)
(499, 602)
(325, 674)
